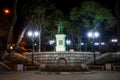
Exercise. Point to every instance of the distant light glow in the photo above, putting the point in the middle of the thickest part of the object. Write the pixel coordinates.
(96, 43)
(29, 33)
(51, 42)
(7, 11)
(90, 34)
(93, 34)
(35, 44)
(102, 43)
(11, 47)
(68, 42)
(82, 43)
(114, 40)
(96, 34)
(36, 33)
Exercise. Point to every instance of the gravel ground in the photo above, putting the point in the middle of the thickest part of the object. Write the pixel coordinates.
(34, 75)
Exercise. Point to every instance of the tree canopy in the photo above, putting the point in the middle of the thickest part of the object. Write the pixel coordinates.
(90, 16)
(93, 15)
(45, 16)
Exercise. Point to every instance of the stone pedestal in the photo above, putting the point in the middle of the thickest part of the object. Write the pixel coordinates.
(60, 42)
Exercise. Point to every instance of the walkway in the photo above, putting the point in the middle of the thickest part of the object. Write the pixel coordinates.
(33, 75)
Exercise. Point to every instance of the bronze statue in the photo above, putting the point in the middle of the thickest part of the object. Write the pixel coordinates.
(60, 26)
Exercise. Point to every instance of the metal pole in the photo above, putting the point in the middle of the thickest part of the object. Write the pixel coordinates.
(32, 51)
(94, 56)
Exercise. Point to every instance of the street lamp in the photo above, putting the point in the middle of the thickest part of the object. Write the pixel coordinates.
(114, 40)
(6, 11)
(114, 44)
(82, 44)
(51, 42)
(68, 42)
(93, 35)
(102, 43)
(33, 35)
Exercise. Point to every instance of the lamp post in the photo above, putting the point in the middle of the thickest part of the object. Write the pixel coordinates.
(114, 44)
(68, 43)
(51, 43)
(93, 35)
(33, 35)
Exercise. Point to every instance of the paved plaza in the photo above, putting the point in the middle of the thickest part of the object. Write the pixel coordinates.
(34, 75)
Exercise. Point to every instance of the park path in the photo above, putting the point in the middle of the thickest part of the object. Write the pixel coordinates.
(34, 75)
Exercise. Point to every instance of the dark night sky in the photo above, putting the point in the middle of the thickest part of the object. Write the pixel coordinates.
(5, 3)
(64, 5)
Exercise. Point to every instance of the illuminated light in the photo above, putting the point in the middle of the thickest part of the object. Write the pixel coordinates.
(68, 42)
(35, 44)
(11, 47)
(36, 33)
(96, 34)
(96, 43)
(51, 42)
(90, 34)
(82, 44)
(93, 34)
(114, 40)
(7, 11)
(30, 33)
(102, 43)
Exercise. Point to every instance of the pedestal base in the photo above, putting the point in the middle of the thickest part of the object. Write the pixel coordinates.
(60, 48)
(60, 42)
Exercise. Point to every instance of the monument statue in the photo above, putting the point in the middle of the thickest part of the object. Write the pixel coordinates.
(60, 37)
(60, 26)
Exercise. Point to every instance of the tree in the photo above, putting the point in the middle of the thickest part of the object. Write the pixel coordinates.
(6, 39)
(41, 15)
(13, 21)
(91, 16)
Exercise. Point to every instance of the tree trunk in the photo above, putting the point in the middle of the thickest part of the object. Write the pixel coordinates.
(39, 48)
(23, 32)
(79, 43)
(20, 38)
(13, 21)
